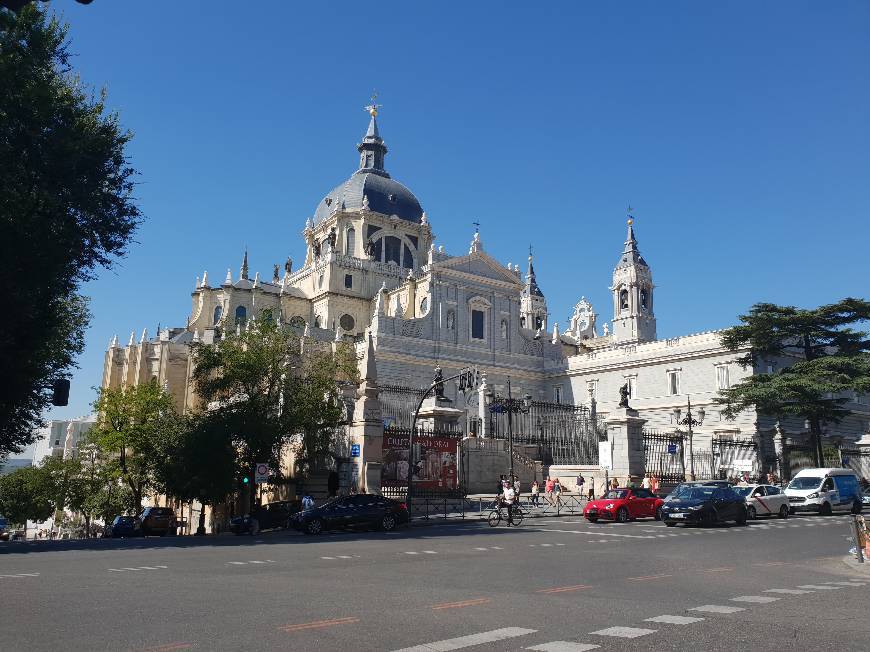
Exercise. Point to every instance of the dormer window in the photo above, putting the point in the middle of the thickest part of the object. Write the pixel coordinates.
(392, 198)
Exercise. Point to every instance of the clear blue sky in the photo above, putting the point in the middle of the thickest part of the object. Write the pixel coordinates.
(738, 132)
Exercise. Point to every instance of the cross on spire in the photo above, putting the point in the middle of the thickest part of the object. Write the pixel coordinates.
(476, 227)
(374, 106)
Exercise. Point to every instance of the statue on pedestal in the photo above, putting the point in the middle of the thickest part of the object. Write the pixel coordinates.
(439, 382)
(623, 396)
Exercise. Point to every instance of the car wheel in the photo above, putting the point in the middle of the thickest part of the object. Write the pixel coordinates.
(825, 509)
(791, 510)
(741, 519)
(670, 523)
(314, 526)
(388, 523)
(622, 515)
(857, 507)
(708, 519)
(592, 519)
(751, 513)
(659, 514)
(783, 511)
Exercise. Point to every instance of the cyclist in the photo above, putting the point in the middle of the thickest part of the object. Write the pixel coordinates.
(508, 499)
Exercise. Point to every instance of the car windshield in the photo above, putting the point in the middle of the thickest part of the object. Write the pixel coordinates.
(616, 493)
(744, 491)
(697, 493)
(806, 482)
(685, 490)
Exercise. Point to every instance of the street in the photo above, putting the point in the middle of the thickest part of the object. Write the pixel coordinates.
(554, 584)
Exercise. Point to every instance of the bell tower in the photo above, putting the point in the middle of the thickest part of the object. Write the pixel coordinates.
(533, 305)
(633, 316)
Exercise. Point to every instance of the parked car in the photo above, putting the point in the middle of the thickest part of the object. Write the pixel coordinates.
(763, 500)
(865, 498)
(124, 526)
(623, 504)
(266, 517)
(360, 510)
(824, 491)
(706, 504)
(159, 520)
(4, 529)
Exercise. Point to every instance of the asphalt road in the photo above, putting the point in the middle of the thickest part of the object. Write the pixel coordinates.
(556, 584)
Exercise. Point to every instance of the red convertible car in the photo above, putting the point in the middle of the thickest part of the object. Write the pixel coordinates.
(624, 504)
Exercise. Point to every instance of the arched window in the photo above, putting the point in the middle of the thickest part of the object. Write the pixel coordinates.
(523, 322)
(623, 299)
(392, 250)
(218, 313)
(424, 306)
(350, 242)
(241, 315)
(317, 322)
(643, 305)
(408, 260)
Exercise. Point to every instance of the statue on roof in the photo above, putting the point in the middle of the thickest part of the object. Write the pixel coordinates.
(288, 266)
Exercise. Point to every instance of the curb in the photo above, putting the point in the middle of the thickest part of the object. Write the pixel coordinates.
(862, 569)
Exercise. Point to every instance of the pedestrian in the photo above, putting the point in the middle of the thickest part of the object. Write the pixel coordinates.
(500, 489)
(654, 483)
(646, 483)
(614, 484)
(548, 490)
(771, 479)
(557, 492)
(307, 502)
(581, 481)
(536, 493)
(508, 501)
(517, 487)
(333, 483)
(591, 495)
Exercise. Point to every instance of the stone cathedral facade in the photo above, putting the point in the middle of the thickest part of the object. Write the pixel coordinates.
(371, 265)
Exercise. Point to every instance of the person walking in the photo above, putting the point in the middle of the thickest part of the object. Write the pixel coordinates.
(517, 487)
(654, 483)
(581, 481)
(500, 489)
(557, 492)
(536, 493)
(548, 490)
(591, 488)
(646, 483)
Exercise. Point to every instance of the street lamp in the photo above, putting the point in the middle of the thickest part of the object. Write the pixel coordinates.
(690, 423)
(499, 404)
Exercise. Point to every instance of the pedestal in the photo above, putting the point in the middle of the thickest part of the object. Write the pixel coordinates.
(625, 441)
(438, 413)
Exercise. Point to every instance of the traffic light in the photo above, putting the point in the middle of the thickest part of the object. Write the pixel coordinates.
(60, 392)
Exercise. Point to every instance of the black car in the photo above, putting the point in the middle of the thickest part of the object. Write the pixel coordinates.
(706, 504)
(124, 526)
(266, 517)
(360, 510)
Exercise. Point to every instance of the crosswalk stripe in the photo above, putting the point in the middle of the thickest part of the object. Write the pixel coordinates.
(787, 591)
(819, 586)
(470, 640)
(717, 609)
(563, 646)
(624, 632)
(759, 599)
(673, 620)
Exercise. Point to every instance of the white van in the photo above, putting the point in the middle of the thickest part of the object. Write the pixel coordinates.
(824, 491)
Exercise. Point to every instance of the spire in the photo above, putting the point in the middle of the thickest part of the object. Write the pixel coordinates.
(114, 343)
(630, 252)
(372, 149)
(229, 279)
(132, 338)
(532, 288)
(205, 279)
(244, 270)
(369, 368)
(144, 335)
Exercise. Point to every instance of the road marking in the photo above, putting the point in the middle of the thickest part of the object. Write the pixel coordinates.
(564, 589)
(237, 563)
(137, 568)
(411, 552)
(168, 647)
(607, 534)
(717, 609)
(546, 545)
(759, 599)
(717, 570)
(256, 562)
(26, 574)
(318, 624)
(472, 639)
(673, 620)
(430, 552)
(787, 591)
(644, 578)
(819, 586)
(770, 563)
(624, 632)
(461, 603)
(345, 557)
(563, 646)
(485, 548)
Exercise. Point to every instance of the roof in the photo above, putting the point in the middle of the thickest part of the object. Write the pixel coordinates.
(385, 195)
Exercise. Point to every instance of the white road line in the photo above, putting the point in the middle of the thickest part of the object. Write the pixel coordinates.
(607, 534)
(673, 620)
(496, 548)
(560, 544)
(850, 583)
(819, 586)
(787, 591)
(717, 609)
(468, 641)
(237, 563)
(321, 558)
(488, 548)
(430, 552)
(411, 552)
(759, 599)
(546, 545)
(624, 632)
(345, 557)
(256, 562)
(563, 646)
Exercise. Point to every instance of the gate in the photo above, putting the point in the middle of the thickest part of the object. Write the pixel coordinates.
(664, 456)
(398, 404)
(733, 457)
(857, 460)
(435, 462)
(564, 434)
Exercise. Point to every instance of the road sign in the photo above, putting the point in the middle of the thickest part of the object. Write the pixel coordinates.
(354, 450)
(261, 473)
(672, 448)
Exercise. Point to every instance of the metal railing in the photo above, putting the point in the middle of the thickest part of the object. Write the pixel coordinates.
(479, 507)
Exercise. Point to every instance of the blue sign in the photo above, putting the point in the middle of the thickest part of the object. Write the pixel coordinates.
(672, 448)
(845, 461)
(354, 450)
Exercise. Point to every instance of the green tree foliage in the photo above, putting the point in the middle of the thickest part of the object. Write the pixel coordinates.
(25, 494)
(832, 360)
(66, 209)
(264, 391)
(138, 424)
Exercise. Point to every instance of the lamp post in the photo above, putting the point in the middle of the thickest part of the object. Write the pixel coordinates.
(690, 423)
(499, 404)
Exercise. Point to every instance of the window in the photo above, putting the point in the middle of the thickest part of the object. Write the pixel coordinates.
(317, 322)
(218, 313)
(539, 323)
(477, 319)
(643, 300)
(771, 490)
(424, 305)
(592, 388)
(241, 315)
(523, 322)
(673, 382)
(631, 381)
(392, 250)
(623, 300)
(347, 322)
(722, 381)
(557, 394)
(348, 281)
(409, 258)
(451, 320)
(350, 242)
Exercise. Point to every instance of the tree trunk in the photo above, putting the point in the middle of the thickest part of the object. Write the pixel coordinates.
(816, 437)
(201, 529)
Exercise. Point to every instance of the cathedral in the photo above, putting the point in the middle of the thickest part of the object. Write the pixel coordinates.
(371, 268)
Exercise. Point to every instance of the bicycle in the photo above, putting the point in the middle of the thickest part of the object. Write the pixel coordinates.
(495, 516)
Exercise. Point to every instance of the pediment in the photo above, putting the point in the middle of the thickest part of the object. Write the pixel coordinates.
(481, 265)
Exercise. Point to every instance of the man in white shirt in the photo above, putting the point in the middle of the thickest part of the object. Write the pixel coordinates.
(509, 497)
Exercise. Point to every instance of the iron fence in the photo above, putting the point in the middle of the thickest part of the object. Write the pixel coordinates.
(435, 469)
(664, 455)
(398, 404)
(733, 457)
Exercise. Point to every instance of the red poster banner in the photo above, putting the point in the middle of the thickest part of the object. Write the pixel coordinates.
(435, 461)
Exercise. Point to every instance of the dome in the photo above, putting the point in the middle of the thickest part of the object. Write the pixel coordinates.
(385, 195)
(371, 183)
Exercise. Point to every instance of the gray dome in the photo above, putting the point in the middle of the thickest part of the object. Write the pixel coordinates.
(385, 195)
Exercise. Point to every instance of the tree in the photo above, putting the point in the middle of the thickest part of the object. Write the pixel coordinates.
(25, 495)
(264, 388)
(135, 423)
(832, 361)
(66, 209)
